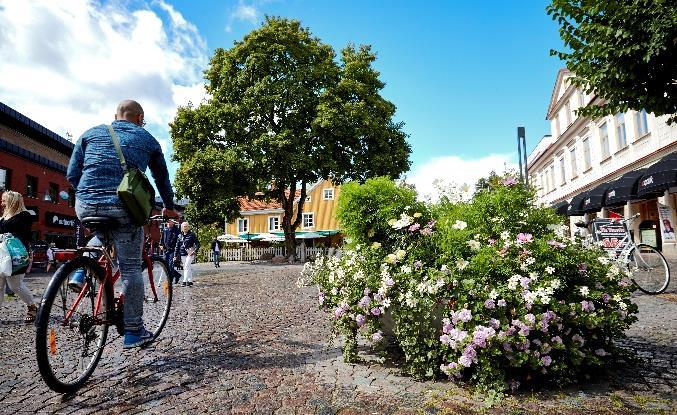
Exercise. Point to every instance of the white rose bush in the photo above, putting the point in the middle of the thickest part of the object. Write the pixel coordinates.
(490, 290)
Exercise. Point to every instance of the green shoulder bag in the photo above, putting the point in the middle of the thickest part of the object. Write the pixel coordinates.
(135, 190)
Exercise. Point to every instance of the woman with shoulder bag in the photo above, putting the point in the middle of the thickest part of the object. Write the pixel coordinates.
(17, 221)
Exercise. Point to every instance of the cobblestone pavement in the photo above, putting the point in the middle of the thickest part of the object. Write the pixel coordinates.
(245, 340)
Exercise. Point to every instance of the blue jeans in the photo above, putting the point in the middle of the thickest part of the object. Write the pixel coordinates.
(128, 239)
(169, 259)
(216, 257)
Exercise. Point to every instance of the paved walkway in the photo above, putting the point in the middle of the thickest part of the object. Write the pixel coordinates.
(245, 340)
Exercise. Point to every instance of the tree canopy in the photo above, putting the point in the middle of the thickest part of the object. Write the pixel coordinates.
(622, 50)
(282, 114)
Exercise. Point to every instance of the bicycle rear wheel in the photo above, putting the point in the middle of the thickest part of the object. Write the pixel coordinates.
(650, 271)
(157, 296)
(70, 330)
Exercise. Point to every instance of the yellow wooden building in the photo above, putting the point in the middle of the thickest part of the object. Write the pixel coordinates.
(319, 214)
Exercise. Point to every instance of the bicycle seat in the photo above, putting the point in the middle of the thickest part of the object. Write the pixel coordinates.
(99, 223)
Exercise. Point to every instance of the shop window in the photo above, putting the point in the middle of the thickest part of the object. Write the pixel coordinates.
(5, 176)
(31, 186)
(53, 193)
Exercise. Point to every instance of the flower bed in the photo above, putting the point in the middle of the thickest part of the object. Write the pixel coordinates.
(489, 290)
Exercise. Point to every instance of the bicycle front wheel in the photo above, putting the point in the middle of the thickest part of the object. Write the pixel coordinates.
(157, 297)
(650, 271)
(72, 324)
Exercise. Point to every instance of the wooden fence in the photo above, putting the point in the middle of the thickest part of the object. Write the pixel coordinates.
(253, 254)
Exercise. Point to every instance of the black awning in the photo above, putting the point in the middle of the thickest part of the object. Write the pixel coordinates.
(659, 177)
(576, 205)
(623, 189)
(561, 207)
(594, 201)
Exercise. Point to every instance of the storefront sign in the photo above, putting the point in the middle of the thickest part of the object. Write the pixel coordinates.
(611, 234)
(59, 220)
(667, 230)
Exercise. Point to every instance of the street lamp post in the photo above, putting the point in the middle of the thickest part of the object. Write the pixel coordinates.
(522, 152)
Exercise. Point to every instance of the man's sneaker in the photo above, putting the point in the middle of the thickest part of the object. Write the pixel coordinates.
(190, 283)
(183, 284)
(137, 338)
(77, 280)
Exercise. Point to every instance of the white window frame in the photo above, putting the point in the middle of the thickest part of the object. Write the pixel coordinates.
(567, 109)
(621, 134)
(604, 140)
(572, 160)
(308, 199)
(242, 225)
(270, 221)
(587, 158)
(641, 121)
(324, 193)
(308, 220)
(562, 171)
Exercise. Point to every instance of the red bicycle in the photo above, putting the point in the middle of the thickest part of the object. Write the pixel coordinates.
(72, 325)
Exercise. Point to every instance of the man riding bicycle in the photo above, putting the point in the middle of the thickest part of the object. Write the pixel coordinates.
(95, 172)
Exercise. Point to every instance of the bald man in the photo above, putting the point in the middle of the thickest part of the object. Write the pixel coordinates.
(95, 172)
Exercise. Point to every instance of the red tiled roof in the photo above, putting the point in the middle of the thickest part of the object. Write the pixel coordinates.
(247, 204)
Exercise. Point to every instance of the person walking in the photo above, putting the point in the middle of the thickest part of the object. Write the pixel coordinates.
(17, 221)
(95, 172)
(168, 244)
(50, 257)
(187, 246)
(216, 252)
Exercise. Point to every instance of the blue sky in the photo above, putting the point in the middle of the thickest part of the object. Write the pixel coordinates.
(463, 75)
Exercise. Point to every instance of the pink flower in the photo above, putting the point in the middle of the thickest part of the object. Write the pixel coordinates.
(491, 241)
(501, 303)
(414, 227)
(587, 305)
(377, 337)
(509, 181)
(360, 319)
(489, 304)
(605, 298)
(524, 238)
(546, 360)
(376, 311)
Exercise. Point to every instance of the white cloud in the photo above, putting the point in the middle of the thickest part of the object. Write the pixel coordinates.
(67, 64)
(457, 170)
(243, 13)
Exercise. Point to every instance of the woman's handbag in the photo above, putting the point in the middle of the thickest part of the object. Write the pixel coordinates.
(15, 250)
(135, 190)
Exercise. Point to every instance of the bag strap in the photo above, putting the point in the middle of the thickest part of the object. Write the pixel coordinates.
(116, 144)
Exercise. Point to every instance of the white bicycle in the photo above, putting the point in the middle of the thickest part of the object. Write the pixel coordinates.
(649, 269)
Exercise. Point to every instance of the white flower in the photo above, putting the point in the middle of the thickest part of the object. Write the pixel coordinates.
(493, 294)
(406, 269)
(555, 284)
(603, 260)
(439, 283)
(584, 290)
(474, 245)
(460, 225)
(418, 214)
(391, 258)
(444, 269)
(400, 254)
(514, 281)
(617, 298)
(461, 264)
(533, 276)
(376, 245)
(550, 270)
(622, 305)
(386, 303)
(505, 235)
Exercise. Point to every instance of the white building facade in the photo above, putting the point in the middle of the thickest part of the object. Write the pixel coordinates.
(582, 153)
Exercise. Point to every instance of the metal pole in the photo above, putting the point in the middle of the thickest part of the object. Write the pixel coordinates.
(519, 152)
(522, 134)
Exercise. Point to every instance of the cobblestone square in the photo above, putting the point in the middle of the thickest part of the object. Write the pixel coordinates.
(245, 340)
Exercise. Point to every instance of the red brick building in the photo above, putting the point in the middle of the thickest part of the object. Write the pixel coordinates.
(33, 162)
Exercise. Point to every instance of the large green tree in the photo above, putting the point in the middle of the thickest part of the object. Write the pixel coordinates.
(623, 50)
(283, 113)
